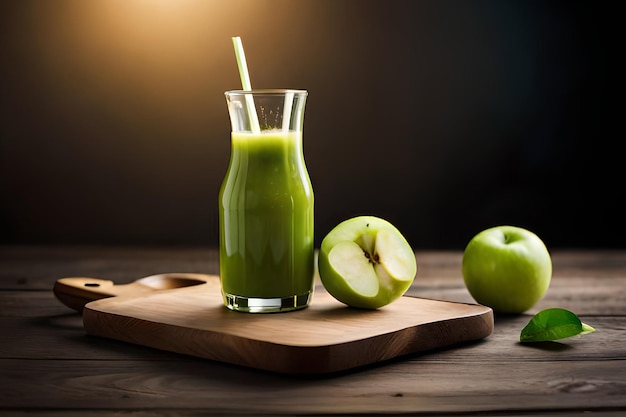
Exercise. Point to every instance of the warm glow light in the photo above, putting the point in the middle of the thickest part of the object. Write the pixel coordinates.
(151, 55)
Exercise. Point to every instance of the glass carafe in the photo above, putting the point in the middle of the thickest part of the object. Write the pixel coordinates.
(266, 205)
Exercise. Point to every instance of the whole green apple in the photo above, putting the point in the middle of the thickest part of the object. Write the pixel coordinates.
(365, 262)
(507, 268)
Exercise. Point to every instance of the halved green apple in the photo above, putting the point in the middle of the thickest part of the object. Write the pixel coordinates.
(365, 262)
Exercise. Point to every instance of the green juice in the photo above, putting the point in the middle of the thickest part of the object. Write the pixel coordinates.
(266, 218)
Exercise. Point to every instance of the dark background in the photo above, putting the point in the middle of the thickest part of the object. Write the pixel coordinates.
(444, 117)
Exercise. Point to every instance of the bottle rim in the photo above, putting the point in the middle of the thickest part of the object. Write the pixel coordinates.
(266, 92)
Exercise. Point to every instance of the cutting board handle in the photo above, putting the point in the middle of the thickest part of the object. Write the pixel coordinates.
(75, 292)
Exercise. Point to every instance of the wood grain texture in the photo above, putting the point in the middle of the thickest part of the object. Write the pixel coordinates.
(37, 267)
(75, 292)
(401, 387)
(325, 337)
(209, 412)
(51, 333)
(50, 367)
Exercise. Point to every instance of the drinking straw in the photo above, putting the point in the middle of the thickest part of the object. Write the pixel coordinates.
(245, 82)
(287, 110)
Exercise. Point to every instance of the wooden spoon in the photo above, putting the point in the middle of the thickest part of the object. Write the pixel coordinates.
(75, 292)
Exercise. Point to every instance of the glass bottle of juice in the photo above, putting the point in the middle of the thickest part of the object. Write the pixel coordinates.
(266, 205)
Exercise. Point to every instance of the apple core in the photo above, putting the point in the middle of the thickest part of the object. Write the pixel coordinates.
(365, 262)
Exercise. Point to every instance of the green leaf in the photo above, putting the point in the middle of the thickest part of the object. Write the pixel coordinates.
(553, 324)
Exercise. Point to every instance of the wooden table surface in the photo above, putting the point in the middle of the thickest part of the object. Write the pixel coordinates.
(49, 366)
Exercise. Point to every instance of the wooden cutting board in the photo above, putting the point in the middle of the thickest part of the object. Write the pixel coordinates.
(326, 337)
